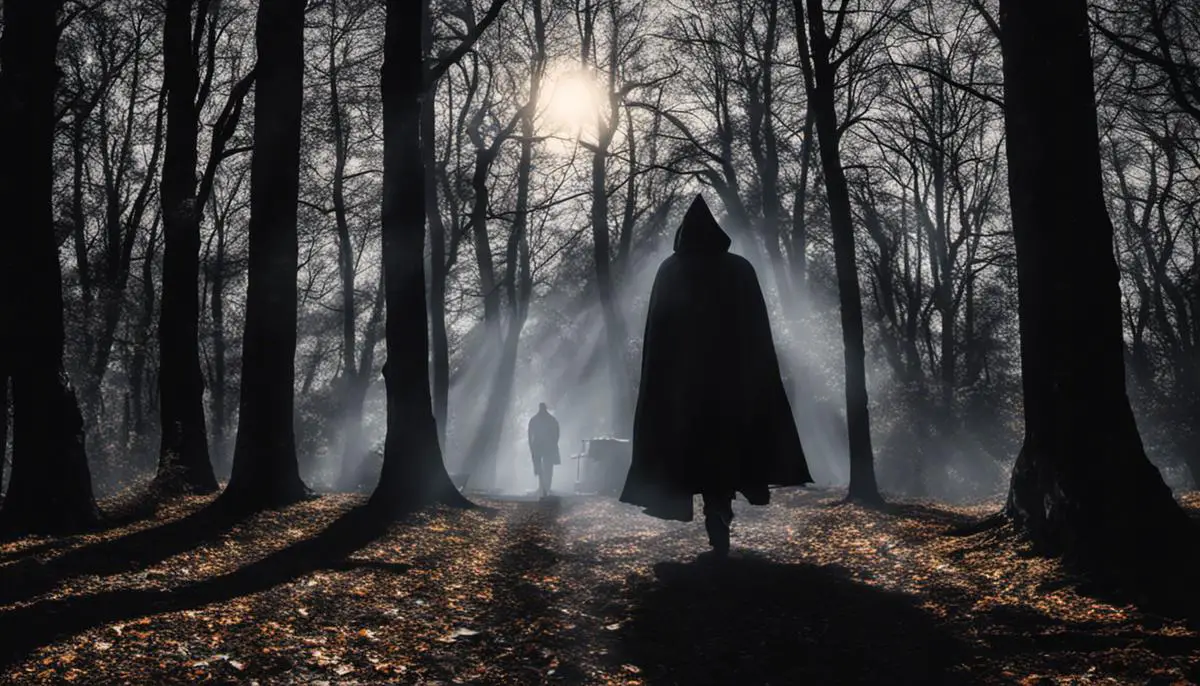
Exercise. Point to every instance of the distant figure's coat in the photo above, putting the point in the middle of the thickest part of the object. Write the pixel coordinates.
(712, 414)
(543, 439)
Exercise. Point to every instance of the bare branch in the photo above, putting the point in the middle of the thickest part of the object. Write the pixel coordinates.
(437, 70)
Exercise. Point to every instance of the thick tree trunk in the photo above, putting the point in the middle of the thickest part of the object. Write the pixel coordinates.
(6, 286)
(50, 490)
(862, 459)
(413, 472)
(183, 461)
(1082, 484)
(265, 470)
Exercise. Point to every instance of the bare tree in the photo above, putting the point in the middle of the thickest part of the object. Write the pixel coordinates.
(516, 283)
(819, 56)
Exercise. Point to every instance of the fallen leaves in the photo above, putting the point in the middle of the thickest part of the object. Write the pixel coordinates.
(530, 592)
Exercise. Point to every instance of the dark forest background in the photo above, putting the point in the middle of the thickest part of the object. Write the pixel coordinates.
(228, 181)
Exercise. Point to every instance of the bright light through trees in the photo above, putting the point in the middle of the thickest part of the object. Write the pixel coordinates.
(572, 103)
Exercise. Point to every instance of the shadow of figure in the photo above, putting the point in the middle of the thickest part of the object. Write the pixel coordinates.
(746, 620)
(30, 627)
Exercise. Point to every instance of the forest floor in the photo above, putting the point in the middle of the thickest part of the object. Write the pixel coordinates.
(570, 590)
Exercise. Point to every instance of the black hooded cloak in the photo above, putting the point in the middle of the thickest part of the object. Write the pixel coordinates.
(711, 409)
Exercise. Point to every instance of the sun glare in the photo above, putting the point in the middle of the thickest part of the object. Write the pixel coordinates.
(572, 102)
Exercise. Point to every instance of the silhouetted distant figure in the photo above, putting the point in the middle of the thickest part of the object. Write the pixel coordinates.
(712, 416)
(543, 445)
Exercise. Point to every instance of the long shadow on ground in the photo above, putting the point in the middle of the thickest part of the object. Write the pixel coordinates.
(27, 628)
(522, 612)
(28, 577)
(753, 621)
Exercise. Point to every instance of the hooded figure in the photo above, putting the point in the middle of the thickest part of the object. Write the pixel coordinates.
(712, 416)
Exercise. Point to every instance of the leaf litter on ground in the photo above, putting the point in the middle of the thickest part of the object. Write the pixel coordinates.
(566, 591)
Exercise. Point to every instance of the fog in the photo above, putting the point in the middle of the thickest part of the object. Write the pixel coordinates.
(562, 362)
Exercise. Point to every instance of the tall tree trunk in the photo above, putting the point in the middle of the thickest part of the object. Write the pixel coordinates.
(615, 330)
(482, 449)
(862, 460)
(183, 462)
(354, 381)
(484, 156)
(265, 470)
(6, 286)
(50, 490)
(413, 472)
(437, 279)
(942, 267)
(220, 386)
(798, 250)
(1082, 484)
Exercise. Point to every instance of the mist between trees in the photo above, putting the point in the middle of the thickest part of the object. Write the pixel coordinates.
(560, 151)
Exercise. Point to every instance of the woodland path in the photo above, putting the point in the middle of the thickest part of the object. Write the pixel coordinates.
(570, 590)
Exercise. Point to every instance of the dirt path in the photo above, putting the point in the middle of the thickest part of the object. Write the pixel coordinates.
(577, 590)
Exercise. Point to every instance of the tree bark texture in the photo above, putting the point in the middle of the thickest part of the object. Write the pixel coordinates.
(265, 470)
(863, 486)
(1082, 484)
